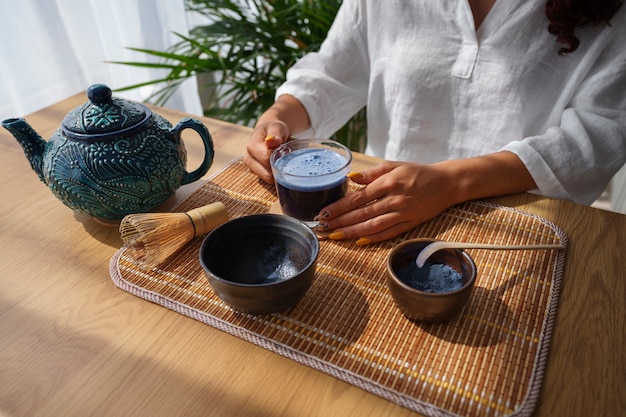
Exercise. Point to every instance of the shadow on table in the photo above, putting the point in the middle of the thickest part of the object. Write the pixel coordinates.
(332, 316)
(486, 319)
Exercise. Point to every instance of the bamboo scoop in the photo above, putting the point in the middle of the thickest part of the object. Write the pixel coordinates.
(435, 246)
(161, 235)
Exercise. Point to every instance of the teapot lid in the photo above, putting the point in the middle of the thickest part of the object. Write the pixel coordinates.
(105, 116)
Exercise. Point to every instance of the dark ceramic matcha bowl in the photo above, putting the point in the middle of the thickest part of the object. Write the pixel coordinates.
(261, 263)
(435, 293)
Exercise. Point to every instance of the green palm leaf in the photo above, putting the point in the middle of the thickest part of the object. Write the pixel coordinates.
(246, 50)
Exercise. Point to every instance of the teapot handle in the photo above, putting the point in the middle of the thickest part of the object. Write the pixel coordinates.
(207, 140)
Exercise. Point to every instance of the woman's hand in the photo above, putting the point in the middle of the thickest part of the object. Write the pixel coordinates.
(397, 197)
(265, 138)
(287, 116)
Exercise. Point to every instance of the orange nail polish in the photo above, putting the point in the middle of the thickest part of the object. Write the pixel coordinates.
(269, 137)
(363, 241)
(337, 235)
(354, 174)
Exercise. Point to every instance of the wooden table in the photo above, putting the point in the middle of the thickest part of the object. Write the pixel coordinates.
(73, 344)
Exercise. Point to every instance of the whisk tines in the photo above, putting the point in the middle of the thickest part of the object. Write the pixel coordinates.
(157, 236)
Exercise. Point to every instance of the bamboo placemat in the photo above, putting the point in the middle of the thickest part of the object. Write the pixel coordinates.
(488, 361)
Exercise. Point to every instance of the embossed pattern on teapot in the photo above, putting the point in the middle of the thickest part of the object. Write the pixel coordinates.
(112, 157)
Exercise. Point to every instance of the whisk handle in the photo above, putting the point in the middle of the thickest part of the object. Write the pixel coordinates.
(207, 218)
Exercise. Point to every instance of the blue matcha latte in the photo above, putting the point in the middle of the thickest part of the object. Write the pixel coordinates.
(309, 179)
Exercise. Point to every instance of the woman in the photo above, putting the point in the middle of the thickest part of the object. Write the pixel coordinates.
(534, 99)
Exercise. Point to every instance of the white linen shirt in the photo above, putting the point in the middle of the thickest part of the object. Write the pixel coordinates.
(435, 88)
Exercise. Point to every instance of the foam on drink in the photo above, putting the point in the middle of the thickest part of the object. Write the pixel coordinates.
(309, 179)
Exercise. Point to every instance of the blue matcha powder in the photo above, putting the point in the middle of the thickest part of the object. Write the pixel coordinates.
(431, 277)
(276, 265)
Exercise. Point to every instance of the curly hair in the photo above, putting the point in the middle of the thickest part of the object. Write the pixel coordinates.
(567, 15)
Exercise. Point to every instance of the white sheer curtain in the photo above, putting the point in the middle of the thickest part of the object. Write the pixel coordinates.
(51, 49)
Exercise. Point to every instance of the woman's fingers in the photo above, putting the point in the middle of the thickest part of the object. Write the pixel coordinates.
(256, 158)
(264, 139)
(376, 220)
(396, 197)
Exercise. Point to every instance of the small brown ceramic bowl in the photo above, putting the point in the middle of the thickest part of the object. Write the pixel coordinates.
(435, 293)
(261, 263)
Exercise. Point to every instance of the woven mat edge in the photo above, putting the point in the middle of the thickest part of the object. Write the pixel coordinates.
(536, 379)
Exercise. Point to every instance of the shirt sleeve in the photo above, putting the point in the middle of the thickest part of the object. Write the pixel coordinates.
(576, 158)
(332, 84)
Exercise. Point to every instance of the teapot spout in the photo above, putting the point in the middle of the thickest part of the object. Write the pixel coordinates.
(30, 141)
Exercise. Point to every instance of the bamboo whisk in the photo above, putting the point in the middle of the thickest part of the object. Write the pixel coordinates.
(157, 236)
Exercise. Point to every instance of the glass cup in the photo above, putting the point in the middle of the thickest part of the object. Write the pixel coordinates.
(309, 175)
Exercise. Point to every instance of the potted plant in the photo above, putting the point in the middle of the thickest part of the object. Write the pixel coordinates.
(242, 55)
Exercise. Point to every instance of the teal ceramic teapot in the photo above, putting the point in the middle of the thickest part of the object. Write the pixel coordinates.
(111, 156)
